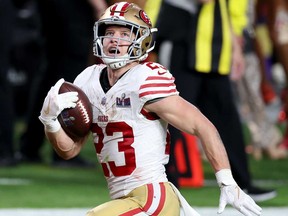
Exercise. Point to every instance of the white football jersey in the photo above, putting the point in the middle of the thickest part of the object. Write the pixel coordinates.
(131, 144)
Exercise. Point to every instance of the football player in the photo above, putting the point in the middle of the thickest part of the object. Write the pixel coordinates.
(133, 103)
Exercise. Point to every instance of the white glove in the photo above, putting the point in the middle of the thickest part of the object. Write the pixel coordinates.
(232, 194)
(53, 105)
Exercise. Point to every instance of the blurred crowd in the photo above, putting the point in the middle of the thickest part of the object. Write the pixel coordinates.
(42, 41)
(47, 40)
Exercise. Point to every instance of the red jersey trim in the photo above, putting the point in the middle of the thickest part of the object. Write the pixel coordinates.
(157, 92)
(149, 115)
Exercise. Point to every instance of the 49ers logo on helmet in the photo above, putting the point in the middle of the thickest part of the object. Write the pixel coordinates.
(145, 18)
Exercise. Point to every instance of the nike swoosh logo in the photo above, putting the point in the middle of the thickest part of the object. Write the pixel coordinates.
(161, 73)
(48, 108)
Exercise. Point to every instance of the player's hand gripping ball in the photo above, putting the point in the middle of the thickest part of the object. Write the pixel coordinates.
(76, 122)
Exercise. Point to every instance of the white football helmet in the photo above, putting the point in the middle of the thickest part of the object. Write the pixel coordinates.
(133, 17)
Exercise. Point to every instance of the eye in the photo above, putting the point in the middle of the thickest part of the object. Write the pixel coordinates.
(109, 33)
(126, 34)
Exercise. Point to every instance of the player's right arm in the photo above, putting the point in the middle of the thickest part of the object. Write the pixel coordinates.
(65, 147)
(53, 105)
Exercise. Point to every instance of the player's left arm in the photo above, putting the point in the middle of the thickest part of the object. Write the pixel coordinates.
(187, 118)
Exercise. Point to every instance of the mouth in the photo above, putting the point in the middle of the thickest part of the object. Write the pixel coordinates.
(113, 51)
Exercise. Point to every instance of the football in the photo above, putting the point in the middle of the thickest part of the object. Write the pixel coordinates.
(76, 122)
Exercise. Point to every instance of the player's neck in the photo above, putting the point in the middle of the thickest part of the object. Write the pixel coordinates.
(115, 74)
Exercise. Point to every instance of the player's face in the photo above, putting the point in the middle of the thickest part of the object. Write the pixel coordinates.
(117, 40)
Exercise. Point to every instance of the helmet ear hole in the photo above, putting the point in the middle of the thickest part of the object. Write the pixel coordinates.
(138, 52)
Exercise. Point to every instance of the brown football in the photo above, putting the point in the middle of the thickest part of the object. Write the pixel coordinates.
(76, 122)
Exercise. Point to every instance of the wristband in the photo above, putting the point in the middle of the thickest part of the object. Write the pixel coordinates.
(50, 125)
(224, 177)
